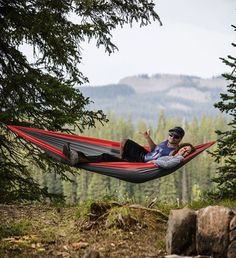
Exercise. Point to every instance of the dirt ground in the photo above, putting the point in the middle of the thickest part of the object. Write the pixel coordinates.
(112, 230)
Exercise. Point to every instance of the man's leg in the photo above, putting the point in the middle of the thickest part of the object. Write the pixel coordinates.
(132, 151)
(76, 157)
(105, 157)
(122, 144)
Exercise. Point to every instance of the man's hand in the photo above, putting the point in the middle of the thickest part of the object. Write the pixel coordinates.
(146, 134)
(149, 139)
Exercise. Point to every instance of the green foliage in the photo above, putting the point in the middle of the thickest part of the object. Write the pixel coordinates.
(40, 92)
(84, 209)
(225, 154)
(123, 217)
(205, 201)
(15, 229)
(112, 219)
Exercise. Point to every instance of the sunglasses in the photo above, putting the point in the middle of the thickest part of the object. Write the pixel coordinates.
(174, 136)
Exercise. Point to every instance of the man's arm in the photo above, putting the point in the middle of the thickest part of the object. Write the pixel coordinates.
(149, 139)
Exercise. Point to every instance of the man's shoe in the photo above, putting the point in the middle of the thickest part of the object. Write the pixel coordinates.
(71, 155)
(66, 150)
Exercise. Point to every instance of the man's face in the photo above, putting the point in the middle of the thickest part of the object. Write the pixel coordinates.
(174, 138)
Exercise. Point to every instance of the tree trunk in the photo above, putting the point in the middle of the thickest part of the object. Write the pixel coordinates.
(74, 186)
(185, 197)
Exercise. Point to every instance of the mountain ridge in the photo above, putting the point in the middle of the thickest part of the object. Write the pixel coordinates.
(143, 96)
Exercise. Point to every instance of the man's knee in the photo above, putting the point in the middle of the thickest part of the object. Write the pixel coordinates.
(123, 142)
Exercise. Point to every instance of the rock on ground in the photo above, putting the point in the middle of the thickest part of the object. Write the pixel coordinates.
(232, 238)
(212, 236)
(181, 232)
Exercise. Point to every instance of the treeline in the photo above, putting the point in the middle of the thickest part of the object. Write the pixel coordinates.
(186, 184)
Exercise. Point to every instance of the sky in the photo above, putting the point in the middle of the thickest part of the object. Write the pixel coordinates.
(194, 35)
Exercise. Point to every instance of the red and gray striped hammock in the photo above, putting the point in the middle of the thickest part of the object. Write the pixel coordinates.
(135, 172)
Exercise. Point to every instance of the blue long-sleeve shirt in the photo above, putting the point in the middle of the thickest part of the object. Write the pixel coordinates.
(169, 161)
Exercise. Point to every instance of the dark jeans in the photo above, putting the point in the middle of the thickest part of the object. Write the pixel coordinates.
(132, 152)
(105, 157)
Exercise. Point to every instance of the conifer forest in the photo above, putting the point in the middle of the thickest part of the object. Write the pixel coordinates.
(187, 184)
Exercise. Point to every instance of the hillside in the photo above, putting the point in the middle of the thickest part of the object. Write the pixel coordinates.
(143, 96)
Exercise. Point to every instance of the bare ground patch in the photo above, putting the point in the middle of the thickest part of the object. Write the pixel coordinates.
(112, 229)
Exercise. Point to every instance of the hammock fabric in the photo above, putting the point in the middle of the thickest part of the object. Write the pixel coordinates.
(135, 172)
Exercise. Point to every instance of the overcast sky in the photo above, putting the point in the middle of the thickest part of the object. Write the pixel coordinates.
(195, 33)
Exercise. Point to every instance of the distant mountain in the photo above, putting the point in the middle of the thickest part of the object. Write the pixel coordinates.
(143, 96)
(161, 82)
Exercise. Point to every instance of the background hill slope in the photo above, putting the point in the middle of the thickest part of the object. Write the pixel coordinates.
(143, 97)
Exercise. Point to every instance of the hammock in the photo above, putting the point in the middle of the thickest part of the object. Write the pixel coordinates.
(135, 172)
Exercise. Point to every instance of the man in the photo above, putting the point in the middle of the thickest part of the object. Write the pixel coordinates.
(131, 151)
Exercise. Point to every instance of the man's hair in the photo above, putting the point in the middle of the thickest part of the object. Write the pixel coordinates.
(178, 130)
(183, 145)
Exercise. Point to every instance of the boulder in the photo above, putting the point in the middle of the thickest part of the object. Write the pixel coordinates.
(232, 238)
(212, 236)
(180, 256)
(232, 229)
(181, 232)
(92, 254)
(232, 250)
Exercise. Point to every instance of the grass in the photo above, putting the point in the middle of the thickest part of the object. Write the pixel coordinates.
(84, 209)
(19, 228)
(118, 217)
(196, 205)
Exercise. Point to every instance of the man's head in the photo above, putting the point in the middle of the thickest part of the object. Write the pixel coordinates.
(175, 135)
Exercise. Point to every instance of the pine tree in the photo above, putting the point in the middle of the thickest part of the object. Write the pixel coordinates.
(225, 154)
(41, 93)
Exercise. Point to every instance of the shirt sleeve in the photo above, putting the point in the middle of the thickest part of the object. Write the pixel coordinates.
(169, 162)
